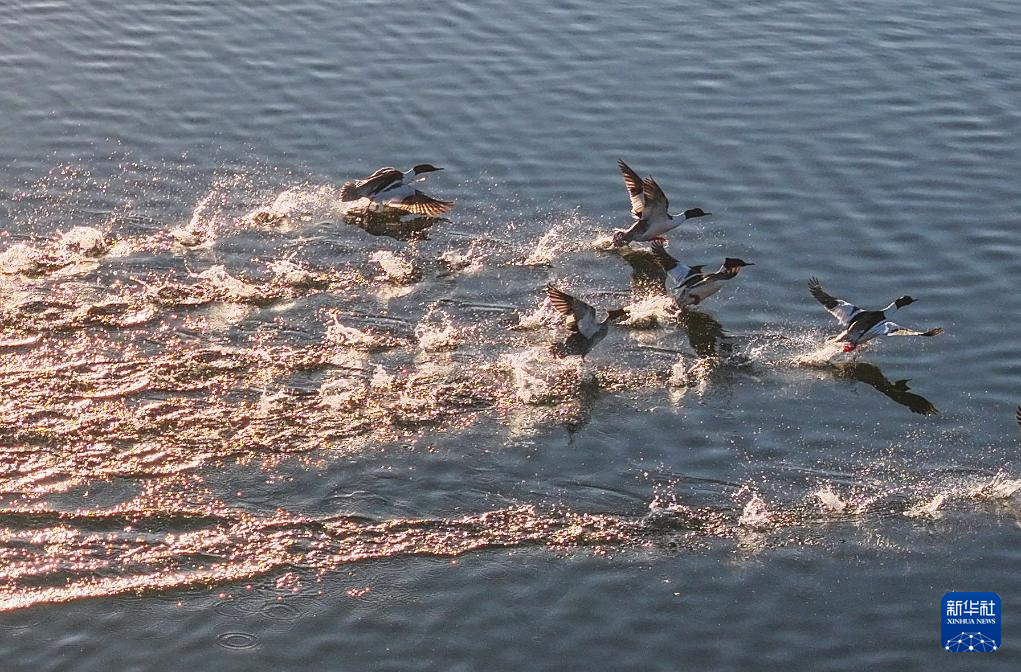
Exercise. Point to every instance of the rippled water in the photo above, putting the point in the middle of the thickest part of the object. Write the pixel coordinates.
(240, 428)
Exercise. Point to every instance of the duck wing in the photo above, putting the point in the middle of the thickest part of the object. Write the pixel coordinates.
(838, 308)
(635, 189)
(581, 317)
(894, 329)
(421, 204)
(656, 203)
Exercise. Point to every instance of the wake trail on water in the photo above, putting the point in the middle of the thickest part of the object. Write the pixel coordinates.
(155, 350)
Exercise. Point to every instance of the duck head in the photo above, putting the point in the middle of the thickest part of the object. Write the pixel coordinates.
(423, 168)
(732, 262)
(904, 301)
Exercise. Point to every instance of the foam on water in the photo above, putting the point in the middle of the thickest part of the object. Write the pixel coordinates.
(83, 241)
(20, 258)
(396, 269)
(436, 331)
(222, 282)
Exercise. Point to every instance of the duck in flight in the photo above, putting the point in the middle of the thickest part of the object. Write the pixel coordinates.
(581, 319)
(861, 326)
(393, 188)
(691, 285)
(649, 209)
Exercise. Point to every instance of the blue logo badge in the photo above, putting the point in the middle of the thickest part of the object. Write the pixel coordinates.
(971, 622)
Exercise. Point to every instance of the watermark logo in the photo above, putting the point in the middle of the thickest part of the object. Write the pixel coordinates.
(971, 622)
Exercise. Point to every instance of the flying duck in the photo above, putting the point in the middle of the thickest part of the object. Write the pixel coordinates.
(582, 320)
(393, 188)
(692, 287)
(649, 208)
(683, 276)
(864, 325)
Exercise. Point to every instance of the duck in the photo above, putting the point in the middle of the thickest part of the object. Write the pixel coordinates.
(581, 319)
(860, 325)
(710, 283)
(692, 285)
(393, 188)
(682, 276)
(649, 208)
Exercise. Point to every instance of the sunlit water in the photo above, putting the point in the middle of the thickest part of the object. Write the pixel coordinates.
(242, 429)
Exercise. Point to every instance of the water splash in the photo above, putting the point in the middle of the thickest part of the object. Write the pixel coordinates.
(396, 269)
(436, 331)
(222, 283)
(83, 241)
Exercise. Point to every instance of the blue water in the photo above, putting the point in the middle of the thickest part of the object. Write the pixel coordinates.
(232, 441)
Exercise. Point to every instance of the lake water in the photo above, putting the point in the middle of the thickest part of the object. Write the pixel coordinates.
(239, 431)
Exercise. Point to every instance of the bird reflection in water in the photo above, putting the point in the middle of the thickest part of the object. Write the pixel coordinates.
(391, 224)
(871, 375)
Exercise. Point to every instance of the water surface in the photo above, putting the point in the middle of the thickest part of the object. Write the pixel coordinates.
(255, 442)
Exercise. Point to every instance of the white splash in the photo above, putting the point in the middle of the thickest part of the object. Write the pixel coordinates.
(829, 500)
(217, 278)
(691, 374)
(1000, 487)
(19, 259)
(435, 331)
(341, 334)
(290, 273)
(928, 508)
(649, 312)
(467, 262)
(553, 243)
(298, 204)
(380, 378)
(545, 316)
(755, 514)
(395, 268)
(199, 231)
(83, 241)
(537, 378)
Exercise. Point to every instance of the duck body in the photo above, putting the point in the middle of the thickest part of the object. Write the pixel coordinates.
(691, 285)
(649, 210)
(582, 320)
(862, 326)
(395, 189)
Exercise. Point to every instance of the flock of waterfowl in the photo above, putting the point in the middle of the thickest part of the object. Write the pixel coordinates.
(392, 190)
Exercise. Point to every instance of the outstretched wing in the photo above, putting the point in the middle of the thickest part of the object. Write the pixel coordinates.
(420, 204)
(894, 329)
(842, 310)
(581, 317)
(635, 189)
(656, 203)
(677, 271)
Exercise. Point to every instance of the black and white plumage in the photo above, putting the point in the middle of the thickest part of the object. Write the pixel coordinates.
(649, 208)
(393, 188)
(681, 275)
(698, 287)
(861, 326)
(1017, 416)
(583, 320)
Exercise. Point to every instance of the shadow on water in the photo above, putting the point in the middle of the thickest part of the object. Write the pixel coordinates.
(898, 390)
(647, 277)
(391, 226)
(706, 335)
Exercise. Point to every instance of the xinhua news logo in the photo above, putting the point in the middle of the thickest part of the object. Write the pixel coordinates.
(971, 622)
